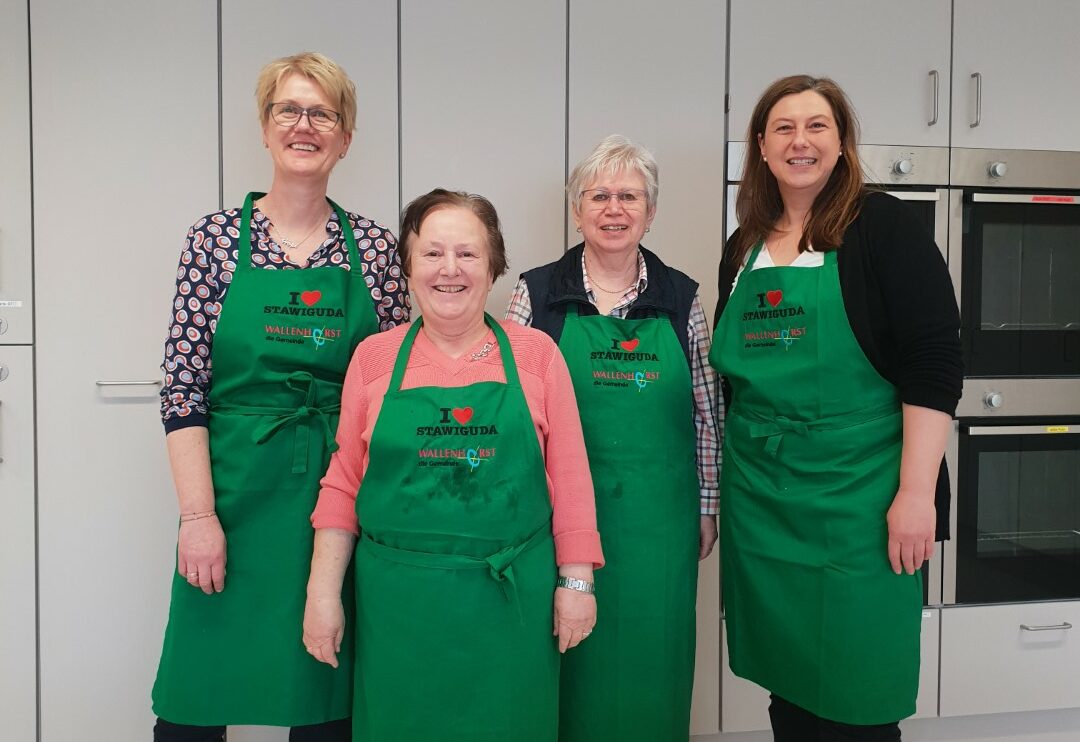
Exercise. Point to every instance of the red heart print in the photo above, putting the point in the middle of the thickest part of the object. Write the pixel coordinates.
(629, 345)
(462, 414)
(774, 297)
(311, 298)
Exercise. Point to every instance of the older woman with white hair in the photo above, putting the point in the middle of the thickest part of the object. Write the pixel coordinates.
(636, 341)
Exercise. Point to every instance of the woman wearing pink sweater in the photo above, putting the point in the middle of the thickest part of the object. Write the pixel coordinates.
(462, 469)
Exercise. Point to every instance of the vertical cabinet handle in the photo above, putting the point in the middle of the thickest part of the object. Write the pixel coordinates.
(1, 428)
(977, 77)
(934, 79)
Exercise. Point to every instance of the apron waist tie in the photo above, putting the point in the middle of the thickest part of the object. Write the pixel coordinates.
(283, 417)
(773, 430)
(500, 565)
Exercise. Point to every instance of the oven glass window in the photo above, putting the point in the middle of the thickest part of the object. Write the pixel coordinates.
(1020, 302)
(1018, 519)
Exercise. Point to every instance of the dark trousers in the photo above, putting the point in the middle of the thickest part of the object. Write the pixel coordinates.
(793, 724)
(330, 731)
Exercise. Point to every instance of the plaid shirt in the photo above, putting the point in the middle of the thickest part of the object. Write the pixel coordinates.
(708, 403)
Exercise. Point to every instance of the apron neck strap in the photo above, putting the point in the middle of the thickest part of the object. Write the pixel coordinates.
(507, 355)
(243, 250)
(753, 254)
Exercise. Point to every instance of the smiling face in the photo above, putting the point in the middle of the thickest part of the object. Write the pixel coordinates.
(301, 150)
(801, 143)
(450, 270)
(614, 226)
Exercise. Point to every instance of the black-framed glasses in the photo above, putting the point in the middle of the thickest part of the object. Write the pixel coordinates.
(289, 114)
(598, 198)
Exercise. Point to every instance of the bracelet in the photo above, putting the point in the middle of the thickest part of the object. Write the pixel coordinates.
(573, 583)
(188, 517)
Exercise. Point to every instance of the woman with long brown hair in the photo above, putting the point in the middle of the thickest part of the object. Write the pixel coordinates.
(837, 337)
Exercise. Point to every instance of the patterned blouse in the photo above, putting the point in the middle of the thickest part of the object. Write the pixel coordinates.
(202, 282)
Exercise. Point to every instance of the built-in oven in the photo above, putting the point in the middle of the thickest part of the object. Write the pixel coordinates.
(1017, 532)
(916, 175)
(1014, 256)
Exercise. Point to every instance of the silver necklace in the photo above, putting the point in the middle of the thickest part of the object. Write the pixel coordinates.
(592, 280)
(285, 242)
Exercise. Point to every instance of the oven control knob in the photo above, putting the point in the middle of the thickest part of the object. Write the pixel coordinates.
(998, 169)
(903, 167)
(993, 400)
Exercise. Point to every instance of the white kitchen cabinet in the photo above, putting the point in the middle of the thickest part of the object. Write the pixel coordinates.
(1016, 657)
(483, 109)
(891, 58)
(16, 295)
(362, 38)
(125, 160)
(744, 705)
(1026, 60)
(18, 636)
(671, 100)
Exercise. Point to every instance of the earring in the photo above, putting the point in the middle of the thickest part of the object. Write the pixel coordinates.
(647, 228)
(579, 230)
(764, 158)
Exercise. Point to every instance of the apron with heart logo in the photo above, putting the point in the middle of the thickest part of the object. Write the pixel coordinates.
(283, 342)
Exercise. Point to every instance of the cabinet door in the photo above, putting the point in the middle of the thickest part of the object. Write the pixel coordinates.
(483, 109)
(16, 296)
(18, 637)
(1026, 58)
(881, 52)
(671, 100)
(1000, 658)
(125, 160)
(362, 38)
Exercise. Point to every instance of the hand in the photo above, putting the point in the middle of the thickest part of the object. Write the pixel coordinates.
(708, 536)
(911, 520)
(324, 628)
(200, 554)
(575, 617)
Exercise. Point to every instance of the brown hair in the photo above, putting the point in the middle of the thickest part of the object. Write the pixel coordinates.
(759, 205)
(420, 207)
(316, 67)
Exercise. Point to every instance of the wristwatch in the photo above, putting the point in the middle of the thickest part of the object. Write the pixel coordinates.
(573, 583)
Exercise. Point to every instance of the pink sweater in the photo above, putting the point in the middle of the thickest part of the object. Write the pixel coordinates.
(549, 394)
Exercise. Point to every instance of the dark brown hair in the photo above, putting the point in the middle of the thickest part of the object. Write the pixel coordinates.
(418, 209)
(759, 205)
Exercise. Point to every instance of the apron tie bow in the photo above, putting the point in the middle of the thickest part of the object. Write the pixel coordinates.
(304, 382)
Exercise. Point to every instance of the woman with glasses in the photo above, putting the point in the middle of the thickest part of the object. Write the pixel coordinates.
(634, 336)
(271, 299)
(838, 334)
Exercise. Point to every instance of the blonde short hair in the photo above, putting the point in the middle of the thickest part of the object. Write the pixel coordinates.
(320, 69)
(615, 153)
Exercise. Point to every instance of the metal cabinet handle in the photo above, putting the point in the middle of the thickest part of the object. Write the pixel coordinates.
(935, 77)
(141, 382)
(1063, 626)
(977, 77)
(1, 406)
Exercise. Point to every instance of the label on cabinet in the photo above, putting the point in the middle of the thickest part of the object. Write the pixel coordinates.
(10, 303)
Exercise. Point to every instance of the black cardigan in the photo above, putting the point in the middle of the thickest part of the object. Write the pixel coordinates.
(902, 309)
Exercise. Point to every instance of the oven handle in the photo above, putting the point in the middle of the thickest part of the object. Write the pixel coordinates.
(1022, 429)
(1063, 626)
(915, 195)
(1055, 199)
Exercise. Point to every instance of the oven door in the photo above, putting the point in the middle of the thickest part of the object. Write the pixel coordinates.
(1017, 535)
(1017, 272)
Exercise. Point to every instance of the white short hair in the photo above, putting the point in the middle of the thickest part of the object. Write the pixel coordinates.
(614, 153)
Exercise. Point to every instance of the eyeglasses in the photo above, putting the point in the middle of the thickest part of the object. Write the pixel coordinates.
(598, 198)
(289, 114)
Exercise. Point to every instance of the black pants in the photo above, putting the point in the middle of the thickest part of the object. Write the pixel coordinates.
(793, 724)
(330, 731)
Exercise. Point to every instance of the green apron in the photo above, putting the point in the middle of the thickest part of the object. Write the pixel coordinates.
(283, 342)
(811, 465)
(455, 568)
(631, 680)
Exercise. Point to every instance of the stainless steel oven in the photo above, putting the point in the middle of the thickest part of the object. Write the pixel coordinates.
(1014, 256)
(1017, 519)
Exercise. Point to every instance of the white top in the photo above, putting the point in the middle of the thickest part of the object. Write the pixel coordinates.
(808, 259)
